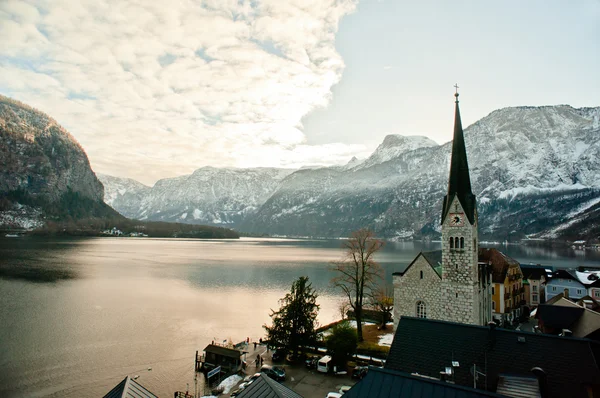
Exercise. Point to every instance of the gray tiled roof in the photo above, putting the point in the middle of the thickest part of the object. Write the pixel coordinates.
(129, 388)
(265, 387)
(385, 383)
(427, 346)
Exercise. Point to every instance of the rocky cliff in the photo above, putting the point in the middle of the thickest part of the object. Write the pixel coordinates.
(43, 170)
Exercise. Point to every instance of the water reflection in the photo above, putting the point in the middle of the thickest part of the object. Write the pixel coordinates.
(118, 305)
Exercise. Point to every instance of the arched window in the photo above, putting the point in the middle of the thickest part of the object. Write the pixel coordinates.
(456, 243)
(462, 243)
(421, 309)
(421, 274)
(451, 243)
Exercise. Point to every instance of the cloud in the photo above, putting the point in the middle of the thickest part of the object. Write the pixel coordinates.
(154, 90)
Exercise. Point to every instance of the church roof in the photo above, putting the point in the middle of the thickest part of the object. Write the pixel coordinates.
(433, 258)
(428, 346)
(459, 182)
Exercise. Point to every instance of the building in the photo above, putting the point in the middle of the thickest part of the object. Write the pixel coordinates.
(508, 295)
(265, 387)
(386, 383)
(458, 288)
(563, 316)
(574, 283)
(229, 359)
(563, 366)
(129, 388)
(534, 281)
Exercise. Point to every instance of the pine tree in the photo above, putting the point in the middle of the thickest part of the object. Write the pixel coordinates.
(295, 323)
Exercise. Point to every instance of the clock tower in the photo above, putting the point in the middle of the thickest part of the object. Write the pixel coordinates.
(465, 285)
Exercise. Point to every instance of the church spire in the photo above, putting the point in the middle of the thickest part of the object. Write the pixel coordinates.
(459, 182)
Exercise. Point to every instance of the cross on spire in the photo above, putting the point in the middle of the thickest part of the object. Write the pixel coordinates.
(456, 93)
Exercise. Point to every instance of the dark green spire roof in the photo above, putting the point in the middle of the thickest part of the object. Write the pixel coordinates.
(459, 183)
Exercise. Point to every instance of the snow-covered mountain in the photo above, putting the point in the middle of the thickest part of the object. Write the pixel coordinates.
(535, 171)
(531, 168)
(123, 194)
(207, 196)
(394, 145)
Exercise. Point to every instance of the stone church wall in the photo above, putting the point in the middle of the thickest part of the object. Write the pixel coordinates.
(410, 289)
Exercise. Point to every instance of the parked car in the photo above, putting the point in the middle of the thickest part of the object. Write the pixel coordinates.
(344, 389)
(279, 355)
(359, 372)
(334, 395)
(274, 372)
(325, 364)
(311, 363)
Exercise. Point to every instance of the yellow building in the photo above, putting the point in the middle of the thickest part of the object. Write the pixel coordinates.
(508, 293)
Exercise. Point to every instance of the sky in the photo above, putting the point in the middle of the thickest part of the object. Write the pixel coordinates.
(155, 89)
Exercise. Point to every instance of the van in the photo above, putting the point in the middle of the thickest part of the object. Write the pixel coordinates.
(324, 364)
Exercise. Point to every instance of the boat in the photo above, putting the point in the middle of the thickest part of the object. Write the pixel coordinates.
(12, 235)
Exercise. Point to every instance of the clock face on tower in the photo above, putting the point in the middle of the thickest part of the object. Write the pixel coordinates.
(457, 219)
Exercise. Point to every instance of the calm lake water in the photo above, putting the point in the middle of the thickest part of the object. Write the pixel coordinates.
(78, 315)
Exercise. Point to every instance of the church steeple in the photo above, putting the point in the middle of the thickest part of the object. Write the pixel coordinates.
(459, 182)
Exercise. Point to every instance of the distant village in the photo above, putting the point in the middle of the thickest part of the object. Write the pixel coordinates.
(468, 321)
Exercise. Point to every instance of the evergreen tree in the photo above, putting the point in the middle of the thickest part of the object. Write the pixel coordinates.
(295, 323)
(342, 343)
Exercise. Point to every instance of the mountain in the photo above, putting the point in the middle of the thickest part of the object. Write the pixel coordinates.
(533, 170)
(394, 145)
(123, 194)
(207, 196)
(44, 172)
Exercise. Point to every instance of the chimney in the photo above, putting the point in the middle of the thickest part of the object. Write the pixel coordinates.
(442, 375)
(542, 382)
(566, 293)
(566, 333)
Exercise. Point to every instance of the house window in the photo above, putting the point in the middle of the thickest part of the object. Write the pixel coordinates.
(451, 243)
(421, 274)
(493, 305)
(462, 243)
(597, 293)
(534, 288)
(421, 310)
(493, 290)
(579, 291)
(534, 298)
(553, 288)
(456, 242)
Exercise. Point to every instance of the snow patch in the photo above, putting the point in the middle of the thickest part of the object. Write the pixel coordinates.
(229, 383)
(183, 216)
(386, 339)
(530, 190)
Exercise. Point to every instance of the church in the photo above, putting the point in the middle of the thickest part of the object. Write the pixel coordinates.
(451, 284)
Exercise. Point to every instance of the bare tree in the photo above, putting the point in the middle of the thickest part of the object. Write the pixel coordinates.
(357, 274)
(383, 302)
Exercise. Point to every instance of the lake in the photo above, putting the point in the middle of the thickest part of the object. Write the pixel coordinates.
(78, 315)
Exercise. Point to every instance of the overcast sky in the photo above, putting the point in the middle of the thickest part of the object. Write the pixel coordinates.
(155, 89)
